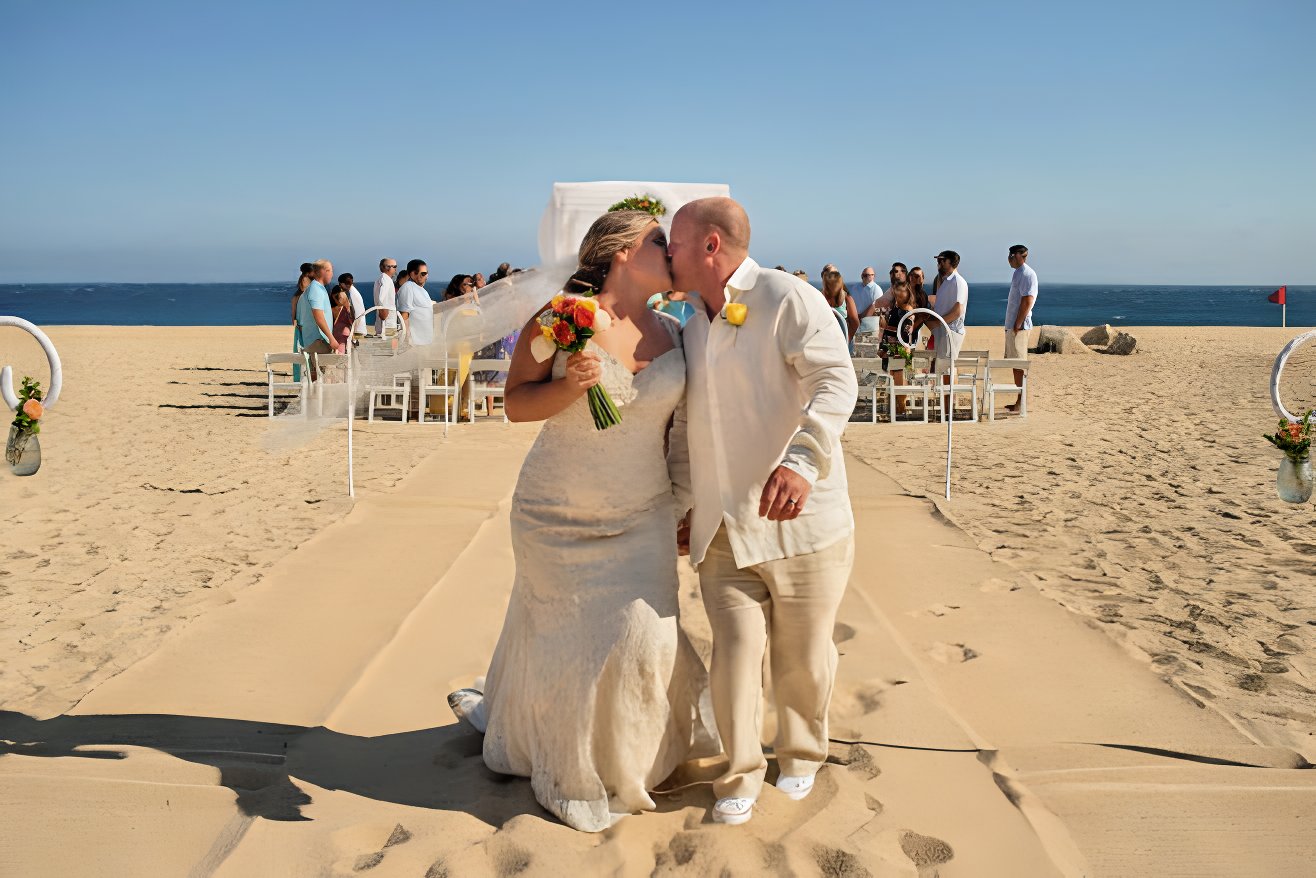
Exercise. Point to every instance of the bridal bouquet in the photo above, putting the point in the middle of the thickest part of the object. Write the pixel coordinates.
(567, 325)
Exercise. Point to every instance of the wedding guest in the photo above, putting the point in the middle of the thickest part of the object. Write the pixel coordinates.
(1019, 313)
(313, 315)
(460, 285)
(479, 281)
(348, 283)
(386, 299)
(503, 270)
(415, 304)
(303, 281)
(841, 302)
(341, 302)
(675, 303)
(921, 299)
(952, 303)
(802, 274)
(901, 302)
(865, 298)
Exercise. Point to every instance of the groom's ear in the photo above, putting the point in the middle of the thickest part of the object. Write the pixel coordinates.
(714, 243)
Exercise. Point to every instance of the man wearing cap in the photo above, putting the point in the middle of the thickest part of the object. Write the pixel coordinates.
(952, 304)
(1019, 313)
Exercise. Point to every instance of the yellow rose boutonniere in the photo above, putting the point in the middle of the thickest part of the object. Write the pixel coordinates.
(735, 313)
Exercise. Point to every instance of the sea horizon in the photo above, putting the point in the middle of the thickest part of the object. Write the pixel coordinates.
(267, 303)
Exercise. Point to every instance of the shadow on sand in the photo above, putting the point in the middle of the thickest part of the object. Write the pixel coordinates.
(438, 768)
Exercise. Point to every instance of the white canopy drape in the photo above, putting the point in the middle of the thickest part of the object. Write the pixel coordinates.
(574, 206)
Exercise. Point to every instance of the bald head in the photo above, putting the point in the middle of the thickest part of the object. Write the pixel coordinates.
(724, 215)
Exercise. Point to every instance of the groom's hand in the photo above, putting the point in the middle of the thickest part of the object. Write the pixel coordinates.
(683, 536)
(784, 495)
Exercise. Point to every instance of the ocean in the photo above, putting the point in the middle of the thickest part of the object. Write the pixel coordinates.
(245, 304)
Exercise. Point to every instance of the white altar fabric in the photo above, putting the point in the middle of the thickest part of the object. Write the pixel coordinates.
(574, 206)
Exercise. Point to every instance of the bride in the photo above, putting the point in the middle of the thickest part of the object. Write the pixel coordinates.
(594, 691)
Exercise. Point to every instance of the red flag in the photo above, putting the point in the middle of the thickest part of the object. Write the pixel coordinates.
(1278, 296)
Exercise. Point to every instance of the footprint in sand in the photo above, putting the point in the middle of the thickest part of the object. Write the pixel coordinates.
(997, 586)
(952, 653)
(934, 610)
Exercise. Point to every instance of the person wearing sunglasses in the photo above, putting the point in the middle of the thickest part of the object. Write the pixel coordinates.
(415, 304)
(386, 298)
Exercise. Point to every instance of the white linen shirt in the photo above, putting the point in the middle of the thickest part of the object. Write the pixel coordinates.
(777, 390)
(953, 289)
(386, 298)
(1022, 283)
(358, 310)
(413, 300)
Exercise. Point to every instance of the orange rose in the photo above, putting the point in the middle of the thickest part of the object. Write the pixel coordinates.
(584, 317)
(33, 409)
(563, 334)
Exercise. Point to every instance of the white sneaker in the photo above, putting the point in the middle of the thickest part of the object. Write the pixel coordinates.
(468, 705)
(733, 811)
(795, 787)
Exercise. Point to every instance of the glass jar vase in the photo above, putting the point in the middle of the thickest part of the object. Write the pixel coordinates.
(23, 452)
(1294, 482)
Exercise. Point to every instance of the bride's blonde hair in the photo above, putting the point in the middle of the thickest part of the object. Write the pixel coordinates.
(609, 235)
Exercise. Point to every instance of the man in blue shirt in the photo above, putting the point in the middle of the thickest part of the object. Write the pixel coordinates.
(864, 297)
(313, 311)
(1019, 313)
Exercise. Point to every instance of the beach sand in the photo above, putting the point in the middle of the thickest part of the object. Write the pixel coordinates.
(216, 664)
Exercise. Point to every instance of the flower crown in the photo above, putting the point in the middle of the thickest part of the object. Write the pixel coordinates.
(647, 203)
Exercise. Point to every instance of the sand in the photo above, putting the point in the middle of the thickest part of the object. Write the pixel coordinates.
(1139, 493)
(249, 680)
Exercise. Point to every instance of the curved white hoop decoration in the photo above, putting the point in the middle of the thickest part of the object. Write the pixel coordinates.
(1279, 370)
(52, 357)
(950, 414)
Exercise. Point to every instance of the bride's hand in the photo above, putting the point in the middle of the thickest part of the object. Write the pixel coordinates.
(584, 370)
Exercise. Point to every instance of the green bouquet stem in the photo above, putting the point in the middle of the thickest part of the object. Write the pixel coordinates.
(602, 408)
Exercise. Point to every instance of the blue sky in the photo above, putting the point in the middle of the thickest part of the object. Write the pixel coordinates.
(1123, 142)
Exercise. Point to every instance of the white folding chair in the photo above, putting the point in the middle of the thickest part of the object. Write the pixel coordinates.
(332, 369)
(994, 385)
(483, 389)
(918, 385)
(297, 359)
(438, 378)
(867, 368)
(390, 396)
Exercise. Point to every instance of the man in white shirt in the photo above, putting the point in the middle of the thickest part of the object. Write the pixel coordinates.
(756, 457)
(952, 303)
(864, 297)
(386, 297)
(1019, 312)
(416, 306)
(347, 282)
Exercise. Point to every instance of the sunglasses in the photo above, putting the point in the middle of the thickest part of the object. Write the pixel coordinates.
(422, 273)
(389, 267)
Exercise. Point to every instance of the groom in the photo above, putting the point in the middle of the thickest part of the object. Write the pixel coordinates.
(769, 391)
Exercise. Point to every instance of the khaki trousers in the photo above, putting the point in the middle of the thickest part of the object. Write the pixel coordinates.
(788, 606)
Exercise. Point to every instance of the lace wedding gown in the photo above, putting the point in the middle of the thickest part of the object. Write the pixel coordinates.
(594, 691)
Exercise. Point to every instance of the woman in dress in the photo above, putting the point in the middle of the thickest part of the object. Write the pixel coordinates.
(342, 314)
(302, 283)
(841, 301)
(902, 302)
(594, 691)
(921, 299)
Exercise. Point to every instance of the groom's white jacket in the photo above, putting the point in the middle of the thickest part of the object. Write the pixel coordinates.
(777, 390)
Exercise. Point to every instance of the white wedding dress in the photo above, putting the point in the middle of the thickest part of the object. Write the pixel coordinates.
(594, 690)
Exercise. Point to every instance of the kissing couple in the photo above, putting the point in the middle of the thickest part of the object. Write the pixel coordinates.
(731, 437)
